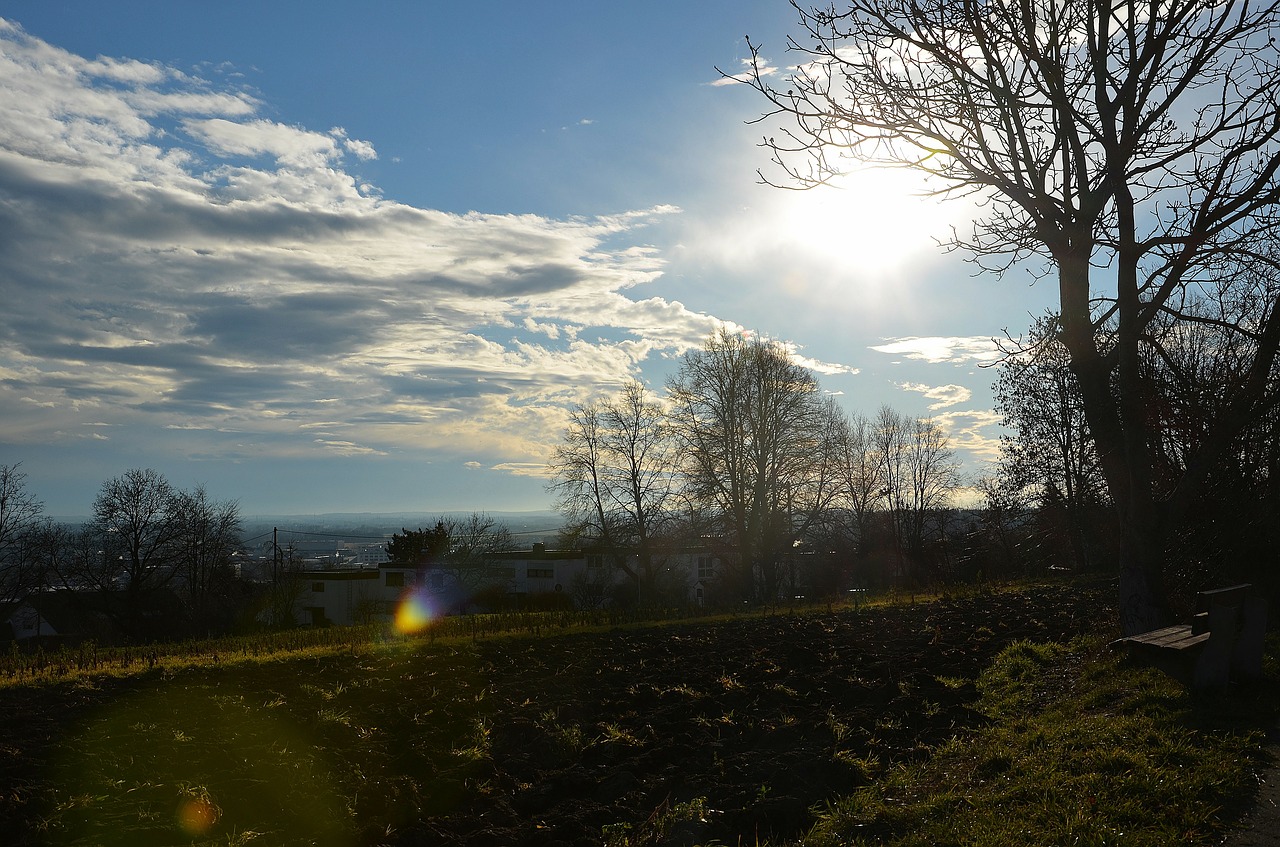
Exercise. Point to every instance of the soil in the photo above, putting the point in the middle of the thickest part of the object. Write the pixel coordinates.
(764, 718)
(755, 722)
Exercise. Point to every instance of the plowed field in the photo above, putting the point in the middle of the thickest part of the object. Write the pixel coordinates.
(556, 740)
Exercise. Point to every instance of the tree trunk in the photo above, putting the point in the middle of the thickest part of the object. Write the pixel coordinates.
(1143, 606)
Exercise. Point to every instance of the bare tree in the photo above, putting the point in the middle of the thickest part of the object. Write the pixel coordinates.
(1049, 451)
(615, 478)
(280, 605)
(1004, 516)
(919, 474)
(1136, 136)
(752, 431)
(208, 534)
(934, 477)
(19, 520)
(472, 542)
(138, 521)
(890, 440)
(860, 475)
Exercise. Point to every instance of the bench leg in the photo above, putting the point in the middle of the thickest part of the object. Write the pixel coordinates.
(1246, 659)
(1213, 666)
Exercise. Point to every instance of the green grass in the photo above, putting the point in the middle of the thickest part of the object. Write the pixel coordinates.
(1080, 748)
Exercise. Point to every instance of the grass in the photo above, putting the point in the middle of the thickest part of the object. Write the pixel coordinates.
(1079, 748)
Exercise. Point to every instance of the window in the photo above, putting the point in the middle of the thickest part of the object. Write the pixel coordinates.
(540, 573)
(437, 581)
(395, 579)
(705, 568)
(595, 560)
(317, 587)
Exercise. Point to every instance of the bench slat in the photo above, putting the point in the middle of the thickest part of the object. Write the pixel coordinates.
(1170, 638)
(1232, 595)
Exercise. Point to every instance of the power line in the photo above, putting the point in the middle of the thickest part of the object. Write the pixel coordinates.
(319, 534)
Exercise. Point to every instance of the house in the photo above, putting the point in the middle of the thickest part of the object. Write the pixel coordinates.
(539, 570)
(538, 576)
(341, 597)
(59, 616)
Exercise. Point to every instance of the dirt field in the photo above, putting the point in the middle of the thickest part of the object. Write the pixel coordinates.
(555, 740)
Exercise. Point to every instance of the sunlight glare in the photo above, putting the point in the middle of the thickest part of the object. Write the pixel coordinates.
(871, 221)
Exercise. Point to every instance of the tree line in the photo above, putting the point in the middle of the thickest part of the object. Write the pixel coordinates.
(746, 456)
(1048, 498)
(153, 560)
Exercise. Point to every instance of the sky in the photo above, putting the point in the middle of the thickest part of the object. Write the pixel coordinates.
(349, 257)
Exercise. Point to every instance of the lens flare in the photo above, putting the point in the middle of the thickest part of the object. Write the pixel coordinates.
(196, 815)
(414, 613)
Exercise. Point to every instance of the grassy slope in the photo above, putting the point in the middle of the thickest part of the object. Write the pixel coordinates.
(1081, 748)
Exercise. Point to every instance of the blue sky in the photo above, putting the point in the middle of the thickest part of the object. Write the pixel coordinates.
(363, 257)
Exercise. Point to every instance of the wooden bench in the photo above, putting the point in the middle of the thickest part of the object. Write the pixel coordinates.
(1224, 639)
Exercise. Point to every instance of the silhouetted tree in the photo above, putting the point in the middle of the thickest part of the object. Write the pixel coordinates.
(1135, 136)
(860, 475)
(138, 521)
(919, 475)
(460, 549)
(615, 479)
(754, 437)
(208, 533)
(20, 518)
(1049, 450)
(419, 547)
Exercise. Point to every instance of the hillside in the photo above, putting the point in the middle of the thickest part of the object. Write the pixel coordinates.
(678, 734)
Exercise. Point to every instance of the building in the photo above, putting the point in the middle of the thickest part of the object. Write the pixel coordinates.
(537, 577)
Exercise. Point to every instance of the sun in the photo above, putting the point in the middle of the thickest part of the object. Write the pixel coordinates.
(872, 221)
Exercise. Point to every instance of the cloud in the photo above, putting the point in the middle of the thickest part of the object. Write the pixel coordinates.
(943, 395)
(757, 65)
(939, 349)
(524, 469)
(176, 261)
(815, 365)
(973, 431)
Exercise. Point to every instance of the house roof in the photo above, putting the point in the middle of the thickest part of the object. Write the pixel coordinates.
(64, 610)
(339, 575)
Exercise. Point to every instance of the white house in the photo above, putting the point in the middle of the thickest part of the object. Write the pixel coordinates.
(341, 597)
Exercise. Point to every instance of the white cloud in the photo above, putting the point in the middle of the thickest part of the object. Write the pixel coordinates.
(976, 432)
(815, 365)
(524, 469)
(942, 395)
(348, 448)
(939, 349)
(290, 146)
(215, 279)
